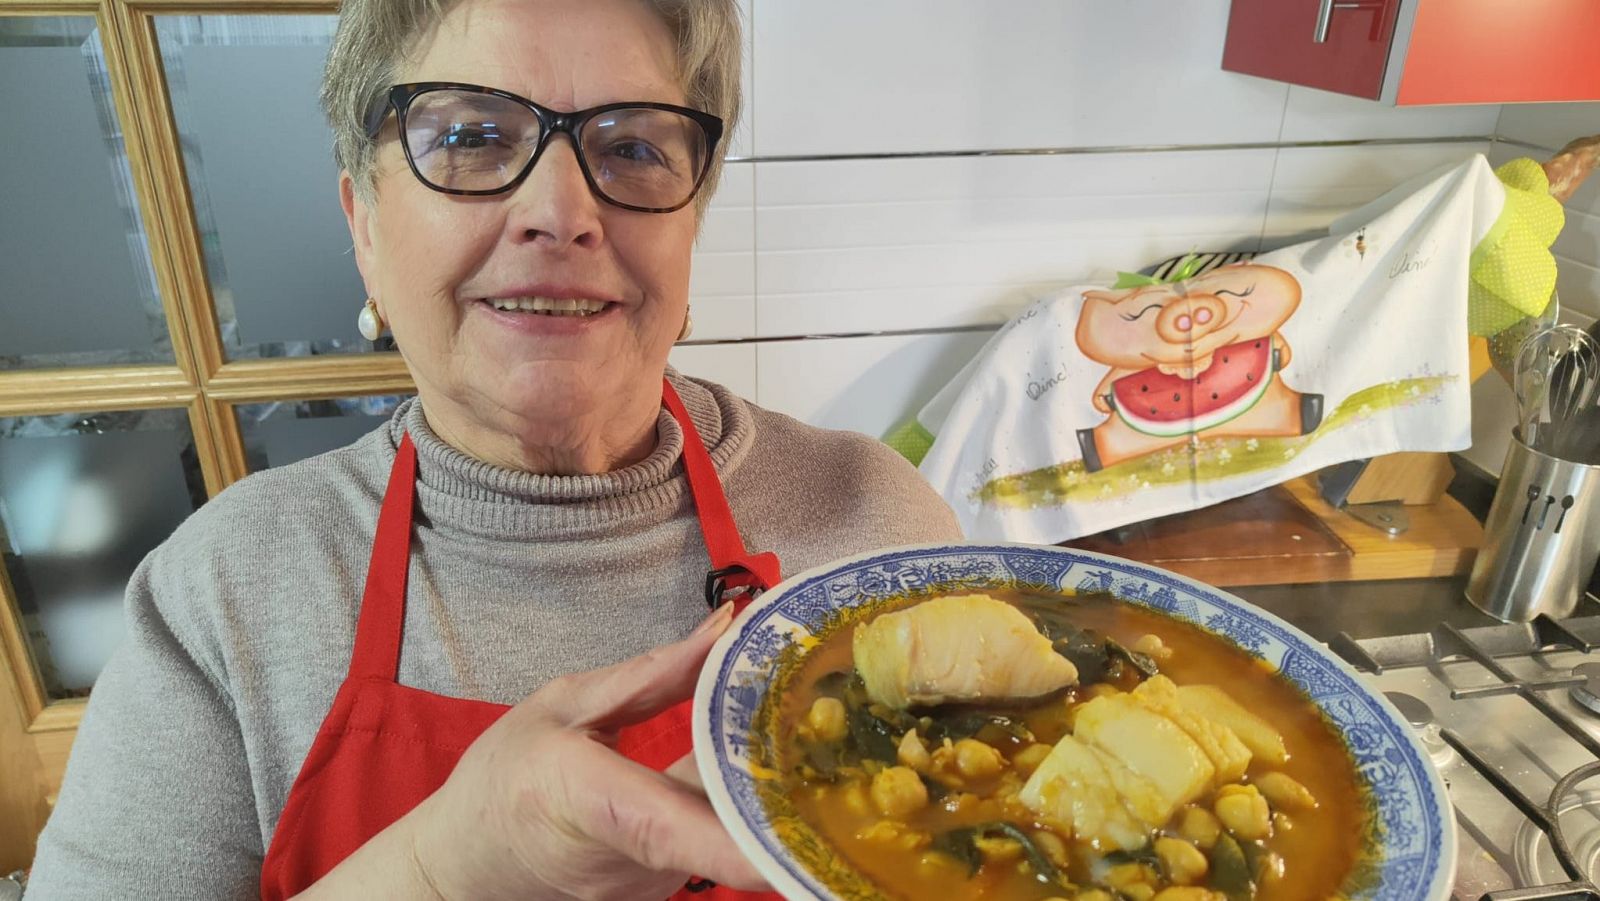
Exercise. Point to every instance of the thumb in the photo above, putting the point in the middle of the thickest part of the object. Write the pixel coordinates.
(635, 690)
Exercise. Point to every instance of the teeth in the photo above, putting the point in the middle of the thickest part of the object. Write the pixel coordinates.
(548, 306)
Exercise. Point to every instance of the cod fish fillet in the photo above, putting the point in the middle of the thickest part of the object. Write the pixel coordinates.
(959, 648)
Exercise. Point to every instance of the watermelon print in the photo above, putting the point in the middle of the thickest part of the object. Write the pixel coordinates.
(1165, 405)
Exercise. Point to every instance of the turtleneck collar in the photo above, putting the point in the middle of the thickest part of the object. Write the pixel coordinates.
(455, 491)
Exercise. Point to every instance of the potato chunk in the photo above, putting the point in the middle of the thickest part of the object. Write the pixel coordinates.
(1212, 703)
(1150, 745)
(957, 648)
(1228, 754)
(1074, 788)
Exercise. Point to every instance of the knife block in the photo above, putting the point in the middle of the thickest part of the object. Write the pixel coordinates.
(1410, 478)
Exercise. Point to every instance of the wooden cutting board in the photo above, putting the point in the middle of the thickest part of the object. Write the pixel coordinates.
(1288, 535)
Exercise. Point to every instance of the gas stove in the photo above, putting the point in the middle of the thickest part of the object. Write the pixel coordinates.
(1510, 715)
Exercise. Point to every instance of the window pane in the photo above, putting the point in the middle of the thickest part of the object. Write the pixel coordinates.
(260, 166)
(83, 498)
(276, 434)
(79, 288)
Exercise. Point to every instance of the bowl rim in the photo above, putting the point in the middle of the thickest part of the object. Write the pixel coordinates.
(779, 874)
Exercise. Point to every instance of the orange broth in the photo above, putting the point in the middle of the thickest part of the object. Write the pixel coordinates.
(1318, 850)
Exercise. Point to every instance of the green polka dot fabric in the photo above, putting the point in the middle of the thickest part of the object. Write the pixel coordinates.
(911, 440)
(1513, 273)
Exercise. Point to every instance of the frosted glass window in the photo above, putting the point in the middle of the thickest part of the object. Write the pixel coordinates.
(83, 498)
(78, 287)
(258, 155)
(276, 434)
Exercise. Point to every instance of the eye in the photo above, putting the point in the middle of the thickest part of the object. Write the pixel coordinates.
(638, 152)
(1132, 317)
(1245, 293)
(469, 137)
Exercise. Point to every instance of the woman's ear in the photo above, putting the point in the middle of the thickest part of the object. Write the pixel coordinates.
(358, 216)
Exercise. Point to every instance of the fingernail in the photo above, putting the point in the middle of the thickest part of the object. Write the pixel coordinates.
(716, 622)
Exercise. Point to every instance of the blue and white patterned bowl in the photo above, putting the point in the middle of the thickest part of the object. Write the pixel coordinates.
(1412, 852)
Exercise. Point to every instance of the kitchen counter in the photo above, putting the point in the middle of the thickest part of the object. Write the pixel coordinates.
(1369, 609)
(1393, 607)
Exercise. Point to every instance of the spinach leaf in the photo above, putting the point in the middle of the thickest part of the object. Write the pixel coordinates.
(873, 738)
(962, 845)
(1042, 864)
(1230, 871)
(958, 843)
(958, 723)
(1141, 662)
(834, 684)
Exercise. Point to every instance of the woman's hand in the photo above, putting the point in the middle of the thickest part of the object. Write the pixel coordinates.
(540, 806)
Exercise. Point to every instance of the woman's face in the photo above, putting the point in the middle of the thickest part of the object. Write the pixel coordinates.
(435, 262)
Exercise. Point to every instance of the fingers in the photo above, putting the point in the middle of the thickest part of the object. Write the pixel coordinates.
(637, 689)
(685, 772)
(660, 824)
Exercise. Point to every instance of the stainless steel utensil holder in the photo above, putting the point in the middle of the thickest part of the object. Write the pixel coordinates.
(1542, 537)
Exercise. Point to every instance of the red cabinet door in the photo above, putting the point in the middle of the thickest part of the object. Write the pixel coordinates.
(1276, 39)
(1491, 51)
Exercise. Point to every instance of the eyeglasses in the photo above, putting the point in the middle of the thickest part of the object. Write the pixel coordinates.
(469, 139)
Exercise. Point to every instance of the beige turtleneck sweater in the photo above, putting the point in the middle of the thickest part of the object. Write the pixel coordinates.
(240, 625)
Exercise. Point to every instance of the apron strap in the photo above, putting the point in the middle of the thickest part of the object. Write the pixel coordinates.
(383, 602)
(733, 567)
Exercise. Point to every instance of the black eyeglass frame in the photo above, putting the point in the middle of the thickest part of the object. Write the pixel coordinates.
(551, 122)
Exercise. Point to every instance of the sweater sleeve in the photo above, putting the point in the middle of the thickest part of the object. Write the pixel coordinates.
(157, 800)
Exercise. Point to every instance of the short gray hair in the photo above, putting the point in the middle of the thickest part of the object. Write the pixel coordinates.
(375, 37)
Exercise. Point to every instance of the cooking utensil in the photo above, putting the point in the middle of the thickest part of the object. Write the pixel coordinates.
(1411, 855)
(1541, 539)
(1503, 346)
(1576, 387)
(1555, 375)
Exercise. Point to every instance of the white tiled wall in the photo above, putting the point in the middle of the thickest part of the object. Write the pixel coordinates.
(833, 219)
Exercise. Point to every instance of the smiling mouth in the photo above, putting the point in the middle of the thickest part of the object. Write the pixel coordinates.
(547, 306)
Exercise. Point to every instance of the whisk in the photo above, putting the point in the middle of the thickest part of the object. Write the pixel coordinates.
(1557, 380)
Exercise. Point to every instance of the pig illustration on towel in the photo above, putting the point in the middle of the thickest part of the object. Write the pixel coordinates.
(1197, 357)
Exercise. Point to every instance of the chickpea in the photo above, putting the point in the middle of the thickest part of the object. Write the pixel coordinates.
(1184, 863)
(1029, 758)
(1055, 850)
(1281, 823)
(1152, 646)
(898, 792)
(998, 849)
(1284, 793)
(975, 759)
(826, 719)
(1199, 826)
(1127, 877)
(1139, 892)
(913, 753)
(1243, 811)
(855, 799)
(1189, 893)
(896, 834)
(1093, 894)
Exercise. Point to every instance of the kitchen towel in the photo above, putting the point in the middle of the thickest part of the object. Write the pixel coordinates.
(1097, 407)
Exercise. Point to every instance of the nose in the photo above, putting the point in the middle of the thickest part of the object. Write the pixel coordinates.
(1190, 318)
(554, 206)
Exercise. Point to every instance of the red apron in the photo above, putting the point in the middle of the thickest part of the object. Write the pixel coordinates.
(384, 747)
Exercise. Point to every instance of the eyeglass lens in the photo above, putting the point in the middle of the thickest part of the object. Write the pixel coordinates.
(469, 141)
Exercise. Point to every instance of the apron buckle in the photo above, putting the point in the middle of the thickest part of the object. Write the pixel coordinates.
(727, 580)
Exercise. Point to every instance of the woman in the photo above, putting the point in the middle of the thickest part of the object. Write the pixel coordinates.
(533, 526)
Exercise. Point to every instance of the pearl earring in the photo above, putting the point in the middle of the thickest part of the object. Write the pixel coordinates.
(369, 322)
(688, 325)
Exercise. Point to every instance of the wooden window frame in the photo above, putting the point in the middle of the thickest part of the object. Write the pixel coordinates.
(200, 379)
